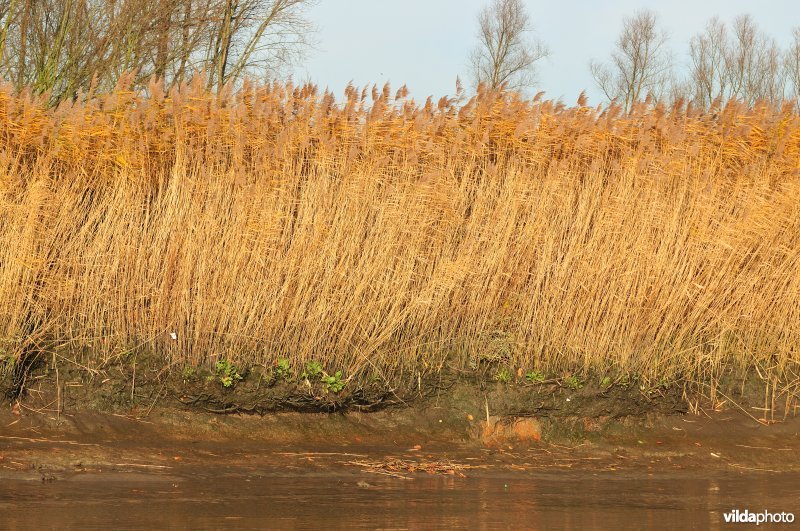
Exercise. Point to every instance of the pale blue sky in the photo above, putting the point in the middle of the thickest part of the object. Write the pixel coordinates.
(426, 43)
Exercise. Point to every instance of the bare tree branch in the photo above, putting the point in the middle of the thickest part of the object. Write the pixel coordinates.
(503, 56)
(707, 80)
(744, 64)
(640, 64)
(60, 46)
(752, 63)
(791, 64)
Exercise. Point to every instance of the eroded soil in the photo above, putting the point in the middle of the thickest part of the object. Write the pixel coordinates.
(48, 447)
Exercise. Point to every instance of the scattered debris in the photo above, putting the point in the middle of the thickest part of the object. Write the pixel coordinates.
(399, 467)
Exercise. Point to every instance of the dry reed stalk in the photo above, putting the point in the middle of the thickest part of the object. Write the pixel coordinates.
(387, 236)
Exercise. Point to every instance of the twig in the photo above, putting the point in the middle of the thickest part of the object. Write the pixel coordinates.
(158, 395)
(47, 440)
(754, 468)
(765, 448)
(58, 391)
(129, 417)
(140, 465)
(303, 454)
(133, 379)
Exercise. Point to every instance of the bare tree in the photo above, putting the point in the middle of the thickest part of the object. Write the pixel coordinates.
(641, 63)
(7, 12)
(744, 64)
(61, 46)
(506, 54)
(753, 64)
(791, 64)
(249, 34)
(707, 79)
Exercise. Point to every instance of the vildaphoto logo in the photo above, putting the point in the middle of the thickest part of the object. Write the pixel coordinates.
(765, 517)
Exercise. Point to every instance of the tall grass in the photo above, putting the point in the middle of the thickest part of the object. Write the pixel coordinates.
(379, 235)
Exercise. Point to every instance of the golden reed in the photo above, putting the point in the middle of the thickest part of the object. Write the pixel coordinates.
(379, 235)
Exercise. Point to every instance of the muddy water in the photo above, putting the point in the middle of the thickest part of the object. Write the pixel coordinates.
(312, 499)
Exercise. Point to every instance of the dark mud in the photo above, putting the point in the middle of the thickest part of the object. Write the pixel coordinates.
(136, 385)
(45, 445)
(124, 399)
(140, 399)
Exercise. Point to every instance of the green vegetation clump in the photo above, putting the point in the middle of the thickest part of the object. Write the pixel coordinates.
(572, 382)
(313, 371)
(503, 375)
(282, 369)
(189, 372)
(7, 363)
(333, 383)
(227, 373)
(534, 377)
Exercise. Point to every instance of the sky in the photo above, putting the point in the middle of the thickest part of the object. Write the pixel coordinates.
(425, 44)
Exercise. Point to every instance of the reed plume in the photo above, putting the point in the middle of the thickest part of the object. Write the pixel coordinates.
(391, 236)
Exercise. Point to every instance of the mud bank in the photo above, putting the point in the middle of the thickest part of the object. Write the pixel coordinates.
(140, 417)
(394, 443)
(136, 385)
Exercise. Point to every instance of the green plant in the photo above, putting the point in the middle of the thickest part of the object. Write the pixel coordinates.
(313, 370)
(333, 383)
(7, 363)
(650, 387)
(283, 370)
(189, 372)
(605, 382)
(572, 382)
(534, 377)
(503, 375)
(227, 373)
(625, 380)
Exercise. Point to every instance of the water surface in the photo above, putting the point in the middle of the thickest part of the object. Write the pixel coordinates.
(296, 499)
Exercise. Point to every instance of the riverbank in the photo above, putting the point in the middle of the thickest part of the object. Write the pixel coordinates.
(402, 444)
(136, 417)
(72, 454)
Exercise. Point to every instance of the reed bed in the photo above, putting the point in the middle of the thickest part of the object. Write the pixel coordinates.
(384, 236)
